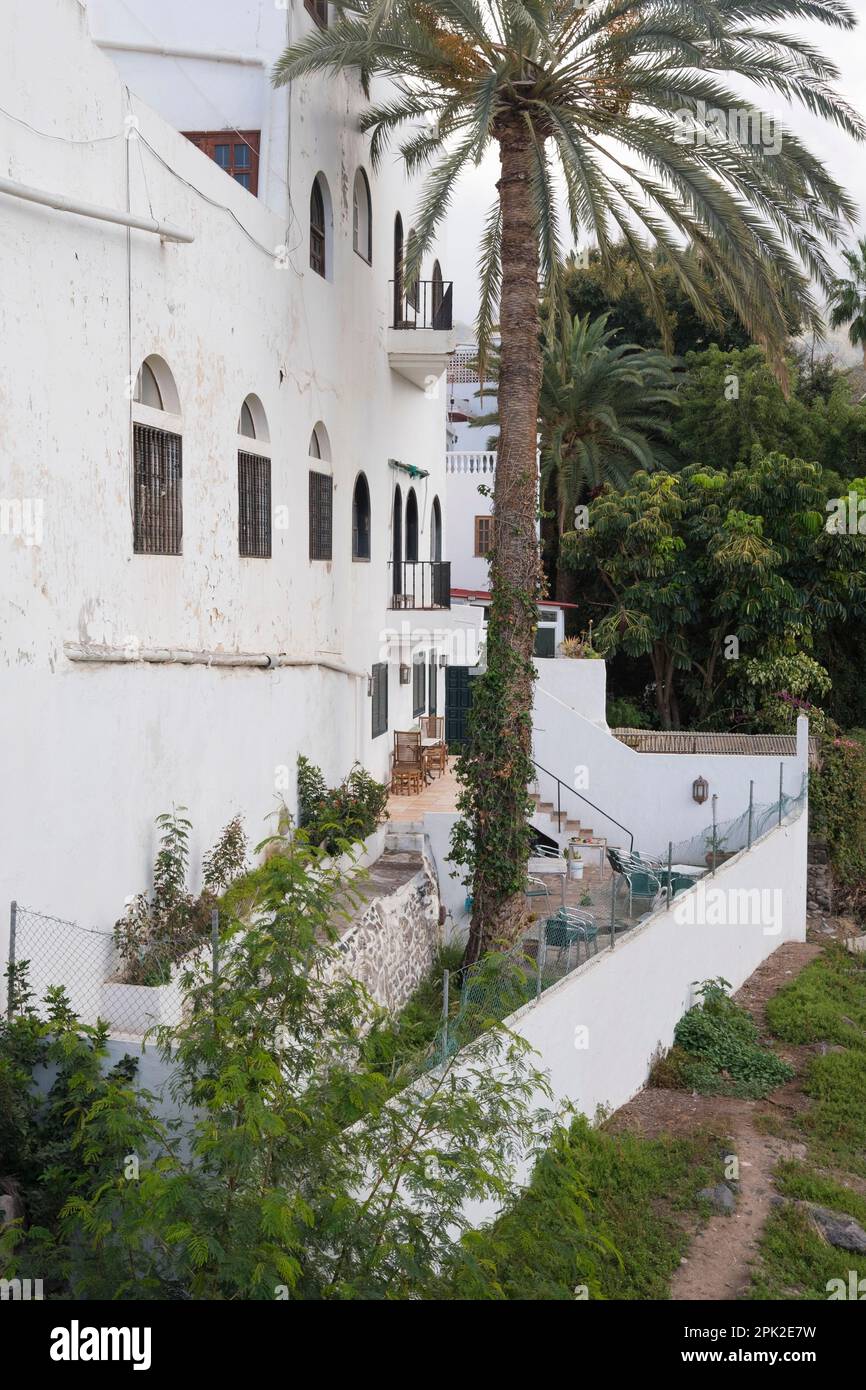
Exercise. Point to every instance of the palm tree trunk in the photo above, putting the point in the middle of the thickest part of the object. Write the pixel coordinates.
(500, 747)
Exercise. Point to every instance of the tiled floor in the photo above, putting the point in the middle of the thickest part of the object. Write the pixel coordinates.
(439, 795)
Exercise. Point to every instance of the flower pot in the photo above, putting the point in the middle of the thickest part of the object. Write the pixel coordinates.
(575, 868)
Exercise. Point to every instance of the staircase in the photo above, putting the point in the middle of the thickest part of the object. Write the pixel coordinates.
(562, 828)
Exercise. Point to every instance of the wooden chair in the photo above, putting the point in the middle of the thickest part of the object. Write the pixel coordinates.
(407, 773)
(435, 755)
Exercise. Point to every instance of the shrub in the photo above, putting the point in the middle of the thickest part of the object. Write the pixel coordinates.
(717, 1050)
(349, 812)
(160, 929)
(623, 714)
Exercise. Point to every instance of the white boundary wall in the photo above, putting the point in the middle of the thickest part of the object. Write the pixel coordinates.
(630, 999)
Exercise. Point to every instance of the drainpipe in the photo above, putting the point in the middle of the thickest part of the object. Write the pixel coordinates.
(93, 653)
(61, 203)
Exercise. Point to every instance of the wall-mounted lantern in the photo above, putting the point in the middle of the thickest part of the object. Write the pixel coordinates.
(700, 790)
(404, 674)
(443, 659)
(370, 685)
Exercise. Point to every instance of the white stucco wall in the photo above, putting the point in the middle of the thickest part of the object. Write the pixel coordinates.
(579, 684)
(649, 793)
(91, 754)
(595, 1033)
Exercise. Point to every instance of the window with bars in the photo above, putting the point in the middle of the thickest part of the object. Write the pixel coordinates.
(418, 674)
(157, 491)
(235, 151)
(483, 534)
(317, 229)
(380, 699)
(254, 506)
(319, 11)
(321, 515)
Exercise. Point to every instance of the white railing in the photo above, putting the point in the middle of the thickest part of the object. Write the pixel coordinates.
(465, 461)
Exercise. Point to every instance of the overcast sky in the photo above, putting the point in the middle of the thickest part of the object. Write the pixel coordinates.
(847, 161)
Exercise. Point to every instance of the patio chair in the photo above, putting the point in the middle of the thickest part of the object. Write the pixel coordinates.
(407, 773)
(642, 875)
(568, 928)
(435, 754)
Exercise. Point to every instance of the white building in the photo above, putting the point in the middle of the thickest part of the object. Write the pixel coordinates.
(219, 430)
(471, 470)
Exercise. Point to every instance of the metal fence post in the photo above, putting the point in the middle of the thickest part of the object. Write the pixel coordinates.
(13, 923)
(781, 779)
(670, 862)
(612, 908)
(751, 809)
(715, 838)
(446, 976)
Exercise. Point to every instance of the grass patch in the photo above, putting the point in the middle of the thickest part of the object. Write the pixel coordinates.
(602, 1210)
(717, 1051)
(826, 1002)
(796, 1263)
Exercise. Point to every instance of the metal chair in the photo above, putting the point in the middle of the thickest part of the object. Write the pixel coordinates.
(567, 928)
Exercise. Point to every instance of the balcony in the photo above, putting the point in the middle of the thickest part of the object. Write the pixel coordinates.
(420, 337)
(420, 584)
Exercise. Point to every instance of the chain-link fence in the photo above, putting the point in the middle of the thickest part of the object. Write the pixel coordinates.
(87, 965)
(723, 838)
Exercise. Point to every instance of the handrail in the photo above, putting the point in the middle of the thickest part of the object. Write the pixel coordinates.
(559, 783)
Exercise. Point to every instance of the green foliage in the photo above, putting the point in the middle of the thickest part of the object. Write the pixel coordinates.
(618, 291)
(837, 810)
(604, 411)
(624, 714)
(349, 812)
(691, 558)
(158, 930)
(848, 297)
(795, 1261)
(602, 1210)
(297, 1172)
(394, 1045)
(827, 1003)
(717, 1050)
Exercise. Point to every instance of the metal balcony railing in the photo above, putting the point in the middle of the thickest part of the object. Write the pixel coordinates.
(420, 583)
(426, 305)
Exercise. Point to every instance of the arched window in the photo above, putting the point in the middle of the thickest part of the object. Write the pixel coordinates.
(320, 229)
(412, 286)
(437, 292)
(411, 528)
(321, 496)
(254, 482)
(361, 519)
(398, 271)
(157, 464)
(362, 217)
(436, 530)
(397, 542)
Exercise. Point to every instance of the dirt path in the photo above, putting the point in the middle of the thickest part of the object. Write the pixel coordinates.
(718, 1265)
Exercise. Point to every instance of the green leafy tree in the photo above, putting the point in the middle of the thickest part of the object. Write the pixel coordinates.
(613, 97)
(848, 298)
(296, 1171)
(617, 288)
(687, 561)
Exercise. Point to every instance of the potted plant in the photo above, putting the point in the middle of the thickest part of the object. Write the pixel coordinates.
(575, 862)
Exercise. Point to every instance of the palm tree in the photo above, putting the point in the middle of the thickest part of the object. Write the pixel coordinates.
(848, 299)
(616, 101)
(604, 408)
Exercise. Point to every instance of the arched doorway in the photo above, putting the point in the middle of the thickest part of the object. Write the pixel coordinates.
(436, 531)
(397, 542)
(398, 270)
(411, 528)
